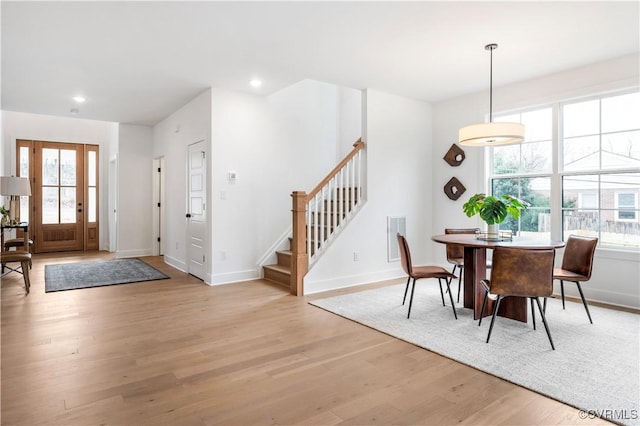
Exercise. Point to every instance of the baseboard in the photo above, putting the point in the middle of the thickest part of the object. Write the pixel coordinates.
(175, 263)
(234, 277)
(603, 299)
(312, 287)
(121, 254)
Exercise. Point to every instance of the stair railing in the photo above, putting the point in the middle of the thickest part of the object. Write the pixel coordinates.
(319, 215)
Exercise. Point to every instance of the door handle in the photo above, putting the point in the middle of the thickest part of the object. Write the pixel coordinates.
(188, 215)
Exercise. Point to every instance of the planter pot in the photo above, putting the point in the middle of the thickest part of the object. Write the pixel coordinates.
(493, 231)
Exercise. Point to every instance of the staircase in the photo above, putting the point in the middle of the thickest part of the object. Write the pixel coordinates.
(321, 224)
(317, 218)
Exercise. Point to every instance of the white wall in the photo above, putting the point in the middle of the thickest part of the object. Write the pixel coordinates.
(615, 275)
(18, 125)
(399, 183)
(171, 138)
(134, 197)
(276, 145)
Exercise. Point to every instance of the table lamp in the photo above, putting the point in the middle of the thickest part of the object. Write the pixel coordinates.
(14, 187)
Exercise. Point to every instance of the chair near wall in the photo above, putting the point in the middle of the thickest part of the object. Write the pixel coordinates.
(522, 273)
(21, 257)
(455, 253)
(577, 264)
(418, 272)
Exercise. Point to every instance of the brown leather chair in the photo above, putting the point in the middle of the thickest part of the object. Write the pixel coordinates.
(418, 272)
(523, 273)
(455, 253)
(19, 256)
(577, 264)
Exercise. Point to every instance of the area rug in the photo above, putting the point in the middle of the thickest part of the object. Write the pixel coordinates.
(595, 368)
(70, 276)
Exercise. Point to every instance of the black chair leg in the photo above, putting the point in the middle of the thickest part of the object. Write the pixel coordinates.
(533, 313)
(405, 290)
(493, 318)
(441, 293)
(413, 287)
(562, 292)
(453, 306)
(584, 301)
(544, 321)
(544, 305)
(484, 304)
(459, 283)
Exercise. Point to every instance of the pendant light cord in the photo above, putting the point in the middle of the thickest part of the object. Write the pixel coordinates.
(491, 47)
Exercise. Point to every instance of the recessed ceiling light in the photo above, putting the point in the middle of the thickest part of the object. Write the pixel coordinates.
(79, 99)
(74, 111)
(255, 83)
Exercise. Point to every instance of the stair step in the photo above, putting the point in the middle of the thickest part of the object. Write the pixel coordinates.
(277, 274)
(284, 258)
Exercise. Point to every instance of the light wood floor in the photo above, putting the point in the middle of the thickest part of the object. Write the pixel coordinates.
(180, 352)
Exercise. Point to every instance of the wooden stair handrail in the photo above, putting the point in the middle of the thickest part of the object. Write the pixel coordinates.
(300, 199)
(357, 146)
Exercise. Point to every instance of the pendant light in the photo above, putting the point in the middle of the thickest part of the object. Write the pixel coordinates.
(491, 134)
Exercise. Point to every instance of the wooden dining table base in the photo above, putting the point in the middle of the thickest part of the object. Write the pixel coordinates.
(475, 269)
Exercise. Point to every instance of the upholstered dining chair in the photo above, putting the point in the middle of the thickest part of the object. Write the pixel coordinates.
(455, 254)
(522, 273)
(21, 257)
(418, 272)
(577, 264)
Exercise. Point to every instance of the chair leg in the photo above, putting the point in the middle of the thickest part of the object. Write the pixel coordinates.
(544, 306)
(484, 304)
(533, 313)
(25, 275)
(584, 301)
(405, 290)
(413, 287)
(459, 282)
(441, 293)
(493, 318)
(544, 321)
(562, 292)
(453, 306)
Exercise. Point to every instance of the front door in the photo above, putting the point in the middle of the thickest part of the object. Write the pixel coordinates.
(196, 210)
(64, 194)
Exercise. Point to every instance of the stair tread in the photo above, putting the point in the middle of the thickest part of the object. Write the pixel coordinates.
(279, 268)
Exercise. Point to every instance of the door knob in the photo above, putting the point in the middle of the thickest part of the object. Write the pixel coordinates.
(188, 215)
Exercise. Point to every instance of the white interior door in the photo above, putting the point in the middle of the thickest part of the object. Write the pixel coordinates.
(196, 214)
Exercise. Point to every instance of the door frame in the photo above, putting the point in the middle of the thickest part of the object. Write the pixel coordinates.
(89, 238)
(158, 199)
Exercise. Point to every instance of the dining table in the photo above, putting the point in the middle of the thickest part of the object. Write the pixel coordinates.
(475, 270)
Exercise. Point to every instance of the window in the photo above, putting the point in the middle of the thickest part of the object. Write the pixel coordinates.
(591, 148)
(524, 171)
(626, 205)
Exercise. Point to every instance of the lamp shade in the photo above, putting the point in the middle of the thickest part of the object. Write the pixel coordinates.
(11, 185)
(491, 134)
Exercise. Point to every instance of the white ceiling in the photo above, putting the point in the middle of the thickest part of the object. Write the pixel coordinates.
(137, 62)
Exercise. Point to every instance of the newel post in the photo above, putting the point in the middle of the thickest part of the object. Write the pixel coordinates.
(299, 258)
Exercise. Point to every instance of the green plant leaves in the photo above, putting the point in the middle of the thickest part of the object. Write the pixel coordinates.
(493, 209)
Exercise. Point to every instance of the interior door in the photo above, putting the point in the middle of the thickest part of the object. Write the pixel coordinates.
(196, 210)
(58, 196)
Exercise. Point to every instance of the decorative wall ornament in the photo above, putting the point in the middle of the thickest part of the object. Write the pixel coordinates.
(455, 156)
(454, 189)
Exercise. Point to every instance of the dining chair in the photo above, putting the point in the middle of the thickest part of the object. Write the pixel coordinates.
(455, 254)
(577, 264)
(522, 273)
(21, 257)
(418, 272)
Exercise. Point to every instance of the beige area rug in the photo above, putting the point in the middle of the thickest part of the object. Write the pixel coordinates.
(595, 368)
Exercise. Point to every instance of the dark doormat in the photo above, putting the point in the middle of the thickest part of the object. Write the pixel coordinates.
(70, 276)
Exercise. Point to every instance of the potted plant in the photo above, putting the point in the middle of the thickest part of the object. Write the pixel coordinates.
(494, 210)
(5, 215)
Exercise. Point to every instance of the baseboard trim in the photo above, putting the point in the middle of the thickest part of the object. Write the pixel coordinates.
(122, 254)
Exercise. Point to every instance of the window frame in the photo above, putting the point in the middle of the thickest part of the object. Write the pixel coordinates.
(558, 174)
